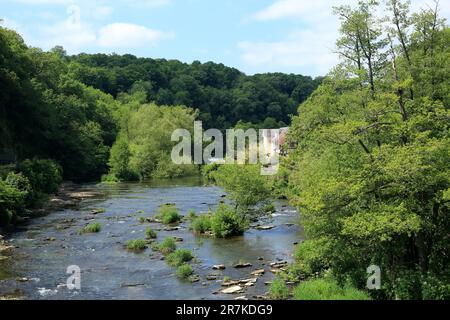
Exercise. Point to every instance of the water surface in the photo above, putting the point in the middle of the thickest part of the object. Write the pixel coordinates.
(48, 245)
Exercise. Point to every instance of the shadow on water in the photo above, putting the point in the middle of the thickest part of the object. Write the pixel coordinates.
(48, 245)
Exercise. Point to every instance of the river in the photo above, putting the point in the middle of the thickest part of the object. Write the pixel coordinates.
(48, 245)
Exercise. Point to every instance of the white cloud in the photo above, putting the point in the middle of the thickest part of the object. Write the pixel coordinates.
(301, 49)
(79, 37)
(311, 42)
(126, 35)
(308, 47)
(73, 36)
(82, 29)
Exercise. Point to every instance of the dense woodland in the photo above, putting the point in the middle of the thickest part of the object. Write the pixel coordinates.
(71, 109)
(370, 170)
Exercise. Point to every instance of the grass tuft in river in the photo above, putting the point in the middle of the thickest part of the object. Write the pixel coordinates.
(184, 271)
(150, 233)
(136, 245)
(179, 257)
(166, 247)
(168, 214)
(93, 227)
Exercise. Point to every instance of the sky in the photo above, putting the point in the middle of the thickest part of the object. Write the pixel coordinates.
(255, 36)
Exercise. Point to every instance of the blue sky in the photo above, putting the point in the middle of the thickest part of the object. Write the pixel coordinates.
(293, 36)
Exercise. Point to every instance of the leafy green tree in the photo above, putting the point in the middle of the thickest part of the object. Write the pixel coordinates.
(245, 185)
(370, 173)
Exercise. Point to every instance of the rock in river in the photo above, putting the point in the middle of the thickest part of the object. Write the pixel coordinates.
(258, 272)
(278, 265)
(243, 265)
(232, 290)
(219, 267)
(264, 228)
(230, 283)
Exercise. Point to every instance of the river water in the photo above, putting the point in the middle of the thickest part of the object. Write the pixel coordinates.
(48, 245)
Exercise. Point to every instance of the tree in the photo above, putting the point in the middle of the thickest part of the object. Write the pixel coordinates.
(244, 184)
(371, 171)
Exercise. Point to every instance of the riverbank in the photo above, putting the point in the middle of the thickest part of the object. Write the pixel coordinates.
(69, 195)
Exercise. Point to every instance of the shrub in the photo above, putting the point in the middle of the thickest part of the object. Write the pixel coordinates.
(226, 223)
(109, 179)
(44, 175)
(208, 171)
(5, 170)
(167, 246)
(184, 271)
(278, 290)
(407, 285)
(312, 256)
(150, 233)
(327, 289)
(12, 202)
(169, 214)
(179, 257)
(270, 208)
(191, 215)
(136, 245)
(94, 227)
(201, 224)
(22, 183)
(434, 288)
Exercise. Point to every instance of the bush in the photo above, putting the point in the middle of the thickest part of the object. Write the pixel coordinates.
(136, 245)
(407, 285)
(434, 288)
(150, 233)
(167, 246)
(184, 271)
(413, 285)
(5, 170)
(94, 227)
(201, 224)
(278, 290)
(191, 215)
(226, 223)
(179, 257)
(12, 202)
(327, 289)
(208, 171)
(312, 256)
(169, 214)
(45, 176)
(270, 208)
(109, 179)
